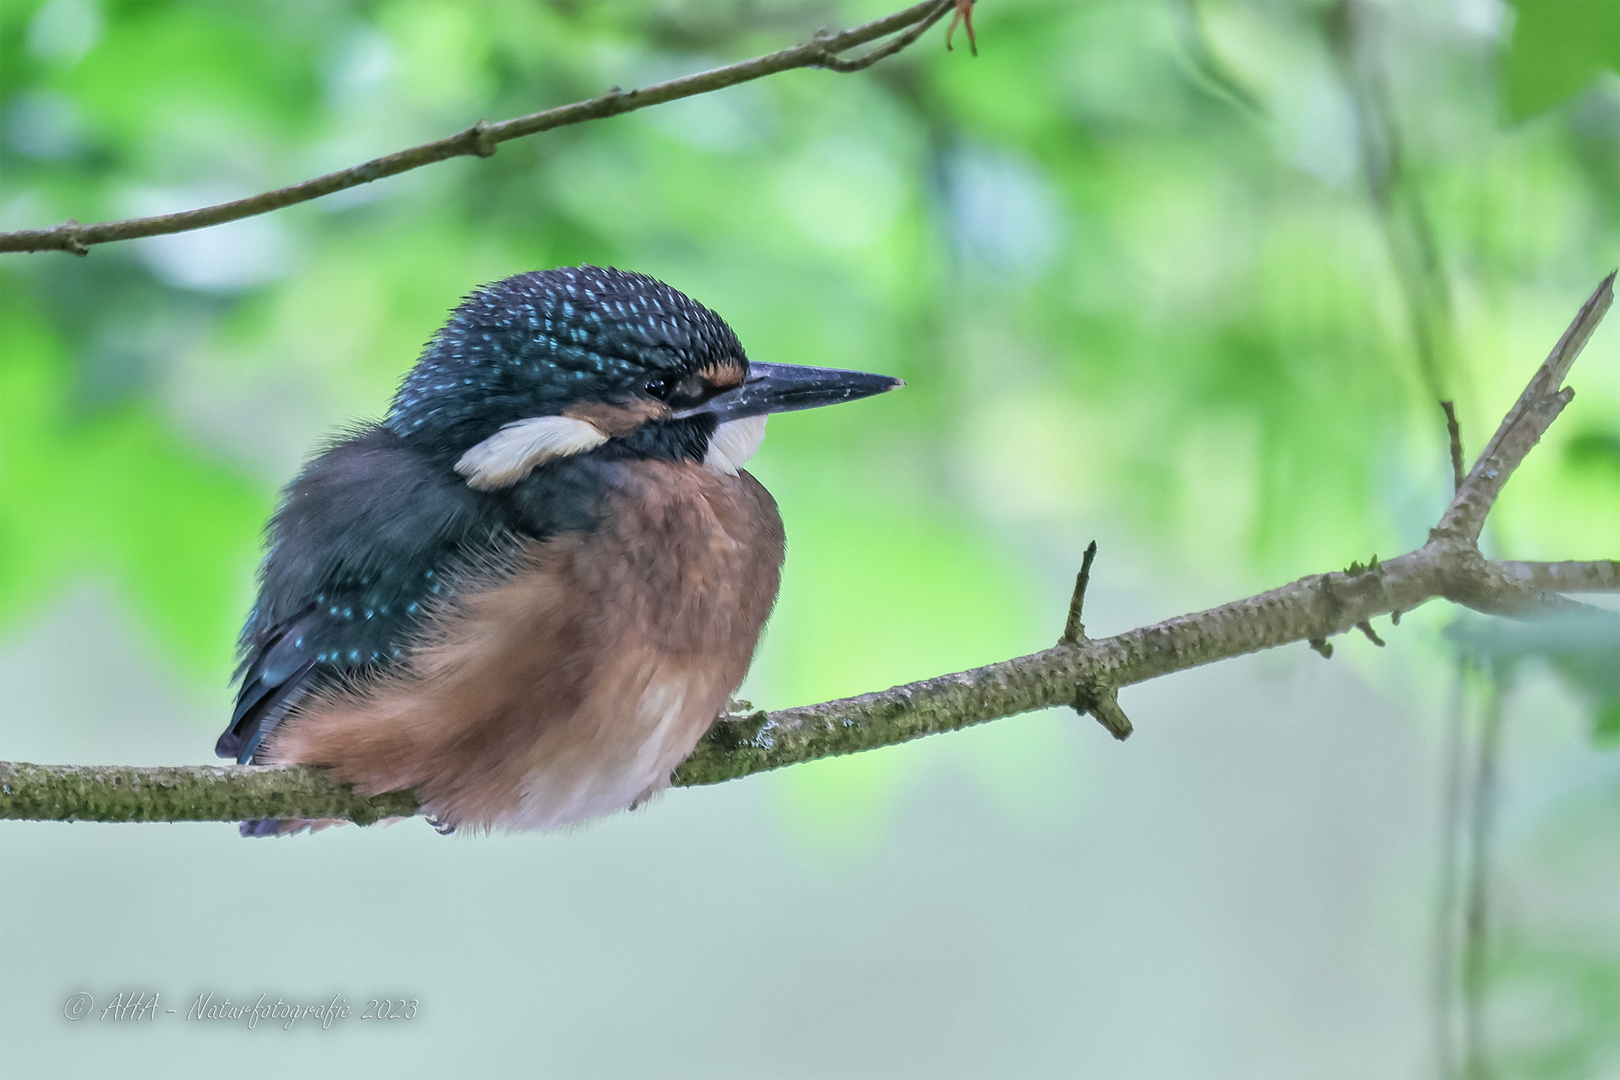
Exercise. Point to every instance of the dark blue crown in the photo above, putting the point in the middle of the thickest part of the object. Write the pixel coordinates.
(532, 344)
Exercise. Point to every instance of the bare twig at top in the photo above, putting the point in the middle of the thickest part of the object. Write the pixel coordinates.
(482, 138)
(1454, 434)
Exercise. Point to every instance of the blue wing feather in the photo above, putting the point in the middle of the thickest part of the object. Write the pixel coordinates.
(365, 541)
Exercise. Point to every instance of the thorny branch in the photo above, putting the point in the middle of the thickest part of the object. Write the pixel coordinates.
(1078, 671)
(482, 138)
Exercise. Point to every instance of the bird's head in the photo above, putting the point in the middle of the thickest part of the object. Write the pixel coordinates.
(559, 362)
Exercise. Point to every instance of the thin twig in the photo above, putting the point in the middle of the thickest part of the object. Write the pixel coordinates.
(1454, 435)
(481, 139)
(1074, 630)
(1525, 423)
(832, 62)
(1094, 698)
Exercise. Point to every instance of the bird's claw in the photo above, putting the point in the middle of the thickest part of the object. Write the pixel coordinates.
(963, 15)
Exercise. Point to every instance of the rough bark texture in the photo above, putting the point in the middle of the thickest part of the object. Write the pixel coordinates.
(220, 793)
(1077, 672)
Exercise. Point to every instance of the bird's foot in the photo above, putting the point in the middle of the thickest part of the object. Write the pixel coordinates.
(964, 15)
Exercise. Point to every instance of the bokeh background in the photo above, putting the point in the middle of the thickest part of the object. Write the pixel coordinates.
(1184, 277)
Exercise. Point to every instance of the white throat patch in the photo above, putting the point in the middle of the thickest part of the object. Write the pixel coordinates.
(513, 452)
(734, 442)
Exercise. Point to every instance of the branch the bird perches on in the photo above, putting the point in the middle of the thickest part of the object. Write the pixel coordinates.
(1079, 671)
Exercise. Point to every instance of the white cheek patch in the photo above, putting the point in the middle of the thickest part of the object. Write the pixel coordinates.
(513, 452)
(734, 442)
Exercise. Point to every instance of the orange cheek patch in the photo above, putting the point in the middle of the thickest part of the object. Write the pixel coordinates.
(614, 420)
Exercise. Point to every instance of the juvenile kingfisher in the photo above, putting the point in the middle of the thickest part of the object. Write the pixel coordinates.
(530, 589)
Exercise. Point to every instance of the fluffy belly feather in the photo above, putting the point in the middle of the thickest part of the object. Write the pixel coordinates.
(633, 760)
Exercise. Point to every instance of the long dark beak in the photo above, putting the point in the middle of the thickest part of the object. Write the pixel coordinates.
(774, 388)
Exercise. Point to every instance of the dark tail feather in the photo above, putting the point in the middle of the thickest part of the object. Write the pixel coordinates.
(258, 711)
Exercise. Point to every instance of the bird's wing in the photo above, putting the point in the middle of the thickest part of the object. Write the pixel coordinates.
(272, 683)
(364, 541)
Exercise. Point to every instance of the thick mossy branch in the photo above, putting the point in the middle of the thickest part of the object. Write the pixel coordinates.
(216, 793)
(1312, 609)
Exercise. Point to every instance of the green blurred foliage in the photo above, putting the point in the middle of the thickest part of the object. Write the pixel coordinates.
(115, 492)
(1583, 648)
(1555, 978)
(1558, 48)
(1126, 260)
(1578, 994)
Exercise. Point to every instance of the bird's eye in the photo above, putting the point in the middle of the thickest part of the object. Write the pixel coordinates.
(679, 393)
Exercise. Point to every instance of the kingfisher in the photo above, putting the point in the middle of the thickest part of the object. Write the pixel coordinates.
(532, 587)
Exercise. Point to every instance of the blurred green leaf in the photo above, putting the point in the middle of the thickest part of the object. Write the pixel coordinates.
(1582, 648)
(1579, 1036)
(1556, 49)
(117, 494)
